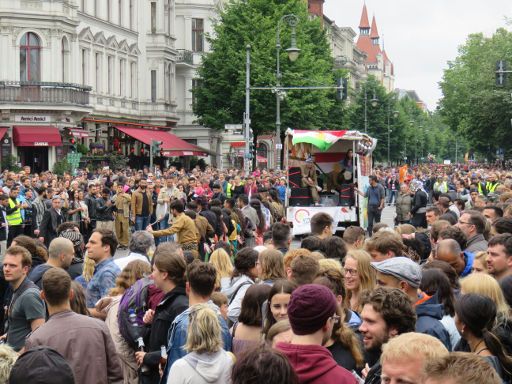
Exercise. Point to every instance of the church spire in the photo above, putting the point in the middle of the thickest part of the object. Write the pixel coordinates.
(364, 24)
(374, 33)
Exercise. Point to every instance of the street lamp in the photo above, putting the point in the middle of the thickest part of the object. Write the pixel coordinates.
(395, 115)
(293, 55)
(374, 102)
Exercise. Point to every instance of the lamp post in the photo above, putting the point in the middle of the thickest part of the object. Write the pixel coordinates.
(293, 54)
(247, 118)
(395, 115)
(373, 102)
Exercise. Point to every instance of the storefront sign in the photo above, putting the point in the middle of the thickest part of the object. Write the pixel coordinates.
(40, 143)
(32, 118)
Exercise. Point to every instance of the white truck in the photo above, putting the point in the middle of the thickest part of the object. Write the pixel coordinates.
(338, 155)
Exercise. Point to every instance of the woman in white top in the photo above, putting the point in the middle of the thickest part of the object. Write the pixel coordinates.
(206, 361)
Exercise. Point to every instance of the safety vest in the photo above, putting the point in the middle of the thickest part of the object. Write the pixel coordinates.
(228, 190)
(490, 187)
(15, 217)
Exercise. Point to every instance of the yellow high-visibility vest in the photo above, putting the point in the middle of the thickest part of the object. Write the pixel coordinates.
(15, 217)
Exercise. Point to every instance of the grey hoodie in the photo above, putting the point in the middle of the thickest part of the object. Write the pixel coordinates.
(202, 368)
(235, 295)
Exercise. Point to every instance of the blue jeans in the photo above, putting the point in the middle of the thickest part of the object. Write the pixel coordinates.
(163, 224)
(392, 196)
(141, 222)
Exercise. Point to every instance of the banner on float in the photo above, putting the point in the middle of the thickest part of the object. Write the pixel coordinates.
(300, 217)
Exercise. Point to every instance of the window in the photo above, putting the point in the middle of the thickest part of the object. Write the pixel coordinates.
(132, 15)
(30, 57)
(153, 86)
(122, 77)
(110, 79)
(133, 74)
(65, 60)
(197, 35)
(196, 83)
(120, 11)
(84, 66)
(153, 17)
(109, 10)
(98, 73)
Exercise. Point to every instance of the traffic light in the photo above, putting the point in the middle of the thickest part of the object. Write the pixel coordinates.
(501, 73)
(342, 90)
(68, 139)
(156, 147)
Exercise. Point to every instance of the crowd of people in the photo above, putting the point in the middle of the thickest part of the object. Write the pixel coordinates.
(193, 277)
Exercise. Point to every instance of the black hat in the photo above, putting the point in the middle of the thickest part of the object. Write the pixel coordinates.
(41, 365)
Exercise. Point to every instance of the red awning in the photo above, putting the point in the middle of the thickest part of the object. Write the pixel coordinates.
(3, 130)
(238, 144)
(36, 136)
(172, 145)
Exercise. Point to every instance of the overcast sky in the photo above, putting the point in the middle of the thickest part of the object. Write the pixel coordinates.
(420, 36)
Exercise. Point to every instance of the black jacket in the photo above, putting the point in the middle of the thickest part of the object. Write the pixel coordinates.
(103, 211)
(173, 303)
(48, 229)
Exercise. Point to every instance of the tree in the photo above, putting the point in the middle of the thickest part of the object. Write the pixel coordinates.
(220, 97)
(472, 105)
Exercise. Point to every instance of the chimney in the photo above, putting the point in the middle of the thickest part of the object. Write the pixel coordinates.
(316, 8)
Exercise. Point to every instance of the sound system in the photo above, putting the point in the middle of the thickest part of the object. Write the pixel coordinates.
(300, 197)
(347, 195)
(295, 177)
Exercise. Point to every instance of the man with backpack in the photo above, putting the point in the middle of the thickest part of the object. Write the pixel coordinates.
(169, 275)
(201, 282)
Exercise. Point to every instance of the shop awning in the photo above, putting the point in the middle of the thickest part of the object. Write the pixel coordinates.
(172, 145)
(36, 136)
(238, 144)
(3, 130)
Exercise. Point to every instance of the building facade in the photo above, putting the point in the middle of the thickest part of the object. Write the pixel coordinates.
(378, 63)
(90, 67)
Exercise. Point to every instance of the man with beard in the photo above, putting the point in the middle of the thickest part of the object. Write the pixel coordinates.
(187, 235)
(386, 313)
(142, 206)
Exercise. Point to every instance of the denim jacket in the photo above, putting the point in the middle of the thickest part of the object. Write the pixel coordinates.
(178, 338)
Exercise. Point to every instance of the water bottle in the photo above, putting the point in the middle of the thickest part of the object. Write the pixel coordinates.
(140, 347)
(132, 317)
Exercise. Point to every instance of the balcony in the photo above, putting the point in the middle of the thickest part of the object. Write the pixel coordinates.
(185, 57)
(35, 92)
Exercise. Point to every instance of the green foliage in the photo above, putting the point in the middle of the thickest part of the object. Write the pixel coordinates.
(117, 162)
(220, 97)
(413, 133)
(10, 164)
(472, 105)
(82, 148)
(61, 166)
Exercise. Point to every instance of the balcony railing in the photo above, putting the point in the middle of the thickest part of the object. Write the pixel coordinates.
(185, 56)
(28, 92)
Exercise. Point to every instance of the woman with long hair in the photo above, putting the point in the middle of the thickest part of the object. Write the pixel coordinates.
(262, 225)
(277, 303)
(359, 276)
(244, 275)
(206, 361)
(222, 263)
(480, 263)
(474, 316)
(246, 331)
(78, 302)
(134, 271)
(435, 282)
(343, 343)
(271, 265)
